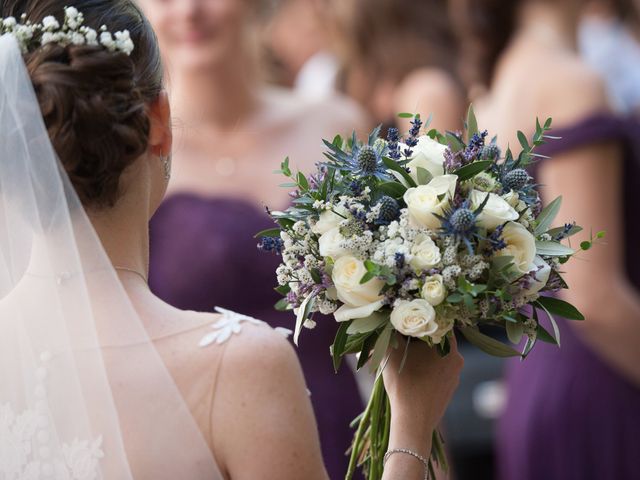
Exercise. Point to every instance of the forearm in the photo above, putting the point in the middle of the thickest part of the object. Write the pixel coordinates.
(612, 325)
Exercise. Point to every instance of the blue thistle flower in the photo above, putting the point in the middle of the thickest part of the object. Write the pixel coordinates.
(271, 244)
(389, 210)
(461, 223)
(363, 160)
(400, 260)
(462, 220)
(356, 187)
(491, 152)
(516, 179)
(367, 160)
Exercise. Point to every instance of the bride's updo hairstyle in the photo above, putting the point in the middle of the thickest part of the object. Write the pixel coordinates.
(93, 101)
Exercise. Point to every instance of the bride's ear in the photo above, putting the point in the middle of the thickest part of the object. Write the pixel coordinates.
(160, 134)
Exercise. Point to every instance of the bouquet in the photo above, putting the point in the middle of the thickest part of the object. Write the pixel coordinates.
(413, 237)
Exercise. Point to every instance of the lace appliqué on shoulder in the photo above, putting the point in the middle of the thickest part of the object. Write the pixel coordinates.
(231, 323)
(26, 444)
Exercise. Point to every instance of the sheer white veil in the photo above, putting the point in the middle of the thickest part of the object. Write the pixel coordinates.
(84, 394)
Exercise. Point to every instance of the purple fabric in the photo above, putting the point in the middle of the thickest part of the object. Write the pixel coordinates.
(569, 415)
(203, 255)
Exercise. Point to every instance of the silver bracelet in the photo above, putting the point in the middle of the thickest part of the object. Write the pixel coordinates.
(424, 461)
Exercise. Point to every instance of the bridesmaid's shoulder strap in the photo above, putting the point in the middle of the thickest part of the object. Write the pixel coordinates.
(598, 127)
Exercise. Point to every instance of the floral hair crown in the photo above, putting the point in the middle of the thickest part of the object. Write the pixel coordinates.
(31, 36)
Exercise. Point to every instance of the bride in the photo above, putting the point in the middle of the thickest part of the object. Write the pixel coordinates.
(99, 379)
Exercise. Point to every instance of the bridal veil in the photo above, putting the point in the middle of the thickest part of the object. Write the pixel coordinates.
(84, 394)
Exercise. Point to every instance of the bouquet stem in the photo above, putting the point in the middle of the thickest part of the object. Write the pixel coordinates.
(371, 440)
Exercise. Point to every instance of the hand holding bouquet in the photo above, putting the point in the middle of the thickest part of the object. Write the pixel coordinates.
(413, 237)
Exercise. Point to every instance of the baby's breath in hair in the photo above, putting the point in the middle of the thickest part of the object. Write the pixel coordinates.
(31, 36)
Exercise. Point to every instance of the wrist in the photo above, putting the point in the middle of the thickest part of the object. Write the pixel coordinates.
(411, 436)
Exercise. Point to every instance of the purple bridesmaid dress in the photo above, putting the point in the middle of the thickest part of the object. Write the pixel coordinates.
(569, 415)
(203, 255)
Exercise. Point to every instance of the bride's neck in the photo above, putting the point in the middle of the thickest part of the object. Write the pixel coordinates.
(124, 230)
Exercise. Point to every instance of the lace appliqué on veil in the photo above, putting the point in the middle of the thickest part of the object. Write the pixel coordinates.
(231, 323)
(25, 444)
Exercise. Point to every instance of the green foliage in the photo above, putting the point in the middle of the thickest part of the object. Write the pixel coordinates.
(339, 344)
(547, 216)
(560, 307)
(487, 344)
(471, 170)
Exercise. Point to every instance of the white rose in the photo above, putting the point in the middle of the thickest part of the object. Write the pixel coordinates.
(512, 198)
(346, 312)
(329, 219)
(427, 154)
(426, 200)
(496, 212)
(416, 318)
(346, 275)
(331, 244)
(433, 290)
(425, 253)
(521, 245)
(540, 277)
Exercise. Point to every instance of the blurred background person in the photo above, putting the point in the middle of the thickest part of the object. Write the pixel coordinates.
(571, 413)
(608, 39)
(398, 56)
(299, 37)
(233, 132)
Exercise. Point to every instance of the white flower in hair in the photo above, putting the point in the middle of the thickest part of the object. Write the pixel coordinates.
(71, 12)
(9, 22)
(123, 42)
(32, 36)
(50, 23)
(106, 40)
(77, 38)
(91, 36)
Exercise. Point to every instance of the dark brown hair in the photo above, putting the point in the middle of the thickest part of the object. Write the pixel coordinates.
(394, 37)
(94, 102)
(484, 28)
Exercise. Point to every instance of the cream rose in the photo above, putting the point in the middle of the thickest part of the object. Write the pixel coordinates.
(360, 300)
(426, 200)
(512, 198)
(496, 211)
(540, 277)
(330, 244)
(329, 219)
(521, 245)
(427, 154)
(433, 290)
(425, 254)
(416, 318)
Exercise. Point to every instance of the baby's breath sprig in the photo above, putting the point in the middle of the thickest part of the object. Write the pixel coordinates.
(31, 36)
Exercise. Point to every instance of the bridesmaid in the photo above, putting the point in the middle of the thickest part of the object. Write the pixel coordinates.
(233, 131)
(572, 413)
(399, 56)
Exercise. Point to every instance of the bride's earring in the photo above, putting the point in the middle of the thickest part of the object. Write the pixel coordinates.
(166, 165)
